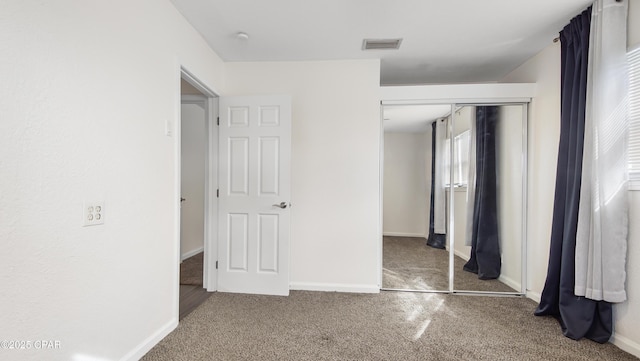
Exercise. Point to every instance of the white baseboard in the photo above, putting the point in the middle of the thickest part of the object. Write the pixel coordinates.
(400, 234)
(146, 345)
(462, 255)
(626, 345)
(506, 280)
(334, 287)
(534, 296)
(191, 253)
(510, 282)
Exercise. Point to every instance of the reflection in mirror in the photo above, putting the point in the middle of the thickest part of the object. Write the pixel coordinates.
(413, 185)
(488, 200)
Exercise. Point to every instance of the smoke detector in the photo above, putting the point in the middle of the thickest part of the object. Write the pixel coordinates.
(381, 44)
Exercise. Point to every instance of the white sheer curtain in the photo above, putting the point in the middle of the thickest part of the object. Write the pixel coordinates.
(439, 210)
(471, 180)
(601, 240)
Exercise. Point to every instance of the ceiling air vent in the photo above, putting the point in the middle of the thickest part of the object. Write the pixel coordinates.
(381, 44)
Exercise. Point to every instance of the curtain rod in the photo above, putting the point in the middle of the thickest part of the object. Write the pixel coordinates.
(555, 40)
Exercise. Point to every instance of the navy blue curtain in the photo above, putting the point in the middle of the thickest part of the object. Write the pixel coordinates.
(436, 240)
(578, 316)
(485, 244)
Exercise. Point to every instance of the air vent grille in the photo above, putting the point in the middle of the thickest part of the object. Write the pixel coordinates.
(381, 44)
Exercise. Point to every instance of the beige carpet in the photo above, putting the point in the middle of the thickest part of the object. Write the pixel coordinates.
(408, 263)
(386, 326)
(191, 270)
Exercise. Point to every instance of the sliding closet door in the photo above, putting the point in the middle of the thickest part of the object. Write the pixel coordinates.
(415, 250)
(475, 172)
(489, 162)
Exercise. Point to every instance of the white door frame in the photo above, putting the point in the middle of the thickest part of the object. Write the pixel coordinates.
(211, 180)
(201, 101)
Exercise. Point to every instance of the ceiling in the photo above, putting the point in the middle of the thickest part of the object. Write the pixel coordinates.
(444, 41)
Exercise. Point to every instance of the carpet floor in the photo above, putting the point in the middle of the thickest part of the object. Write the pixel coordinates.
(191, 270)
(386, 326)
(408, 263)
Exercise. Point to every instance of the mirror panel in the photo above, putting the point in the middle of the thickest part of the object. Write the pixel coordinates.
(408, 262)
(489, 154)
(449, 171)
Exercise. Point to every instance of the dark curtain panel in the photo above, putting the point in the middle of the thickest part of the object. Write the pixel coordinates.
(485, 244)
(435, 240)
(578, 316)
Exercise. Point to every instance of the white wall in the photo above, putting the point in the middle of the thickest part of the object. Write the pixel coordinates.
(194, 147)
(87, 87)
(406, 187)
(509, 167)
(336, 132)
(464, 117)
(460, 224)
(627, 314)
(633, 25)
(544, 132)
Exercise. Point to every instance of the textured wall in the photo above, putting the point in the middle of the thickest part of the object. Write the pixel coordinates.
(87, 89)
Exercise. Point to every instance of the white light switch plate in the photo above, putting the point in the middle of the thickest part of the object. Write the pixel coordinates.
(93, 213)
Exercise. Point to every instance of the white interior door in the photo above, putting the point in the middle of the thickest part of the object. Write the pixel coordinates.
(255, 189)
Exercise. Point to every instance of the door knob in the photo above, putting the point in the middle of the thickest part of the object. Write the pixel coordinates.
(282, 205)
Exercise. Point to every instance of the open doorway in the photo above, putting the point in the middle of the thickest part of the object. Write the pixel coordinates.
(198, 179)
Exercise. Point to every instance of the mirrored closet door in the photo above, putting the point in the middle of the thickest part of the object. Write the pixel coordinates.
(415, 252)
(454, 194)
(489, 171)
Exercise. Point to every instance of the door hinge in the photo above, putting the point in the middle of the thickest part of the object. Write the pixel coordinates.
(218, 120)
(217, 193)
(216, 264)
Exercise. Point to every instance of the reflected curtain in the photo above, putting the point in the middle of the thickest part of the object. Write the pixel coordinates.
(437, 231)
(578, 316)
(485, 244)
(471, 184)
